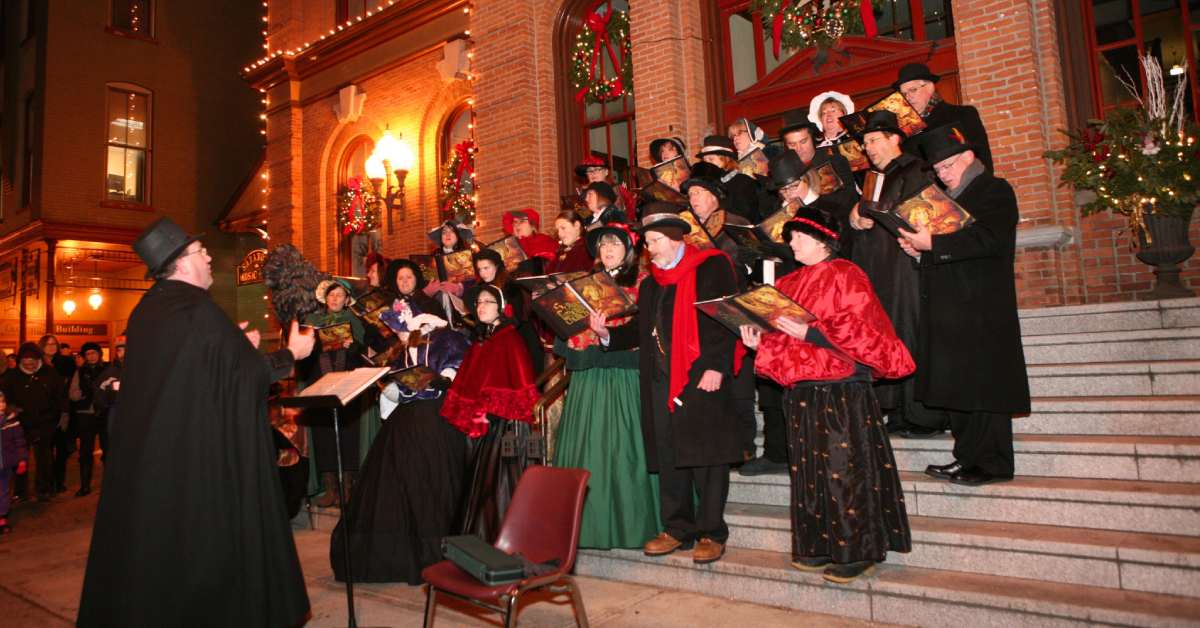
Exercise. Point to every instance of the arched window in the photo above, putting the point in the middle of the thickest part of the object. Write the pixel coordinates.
(352, 249)
(604, 130)
(456, 195)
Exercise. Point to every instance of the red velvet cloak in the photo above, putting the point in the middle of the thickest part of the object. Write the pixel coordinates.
(496, 377)
(848, 314)
(539, 245)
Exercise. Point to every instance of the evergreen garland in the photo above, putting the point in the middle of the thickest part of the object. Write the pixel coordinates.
(590, 54)
(807, 24)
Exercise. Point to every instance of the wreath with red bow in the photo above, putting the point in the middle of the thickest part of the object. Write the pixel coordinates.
(799, 25)
(457, 196)
(358, 208)
(605, 37)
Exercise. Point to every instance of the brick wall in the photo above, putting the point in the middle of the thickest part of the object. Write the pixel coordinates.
(1009, 68)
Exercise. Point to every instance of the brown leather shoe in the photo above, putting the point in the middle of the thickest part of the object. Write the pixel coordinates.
(662, 545)
(707, 551)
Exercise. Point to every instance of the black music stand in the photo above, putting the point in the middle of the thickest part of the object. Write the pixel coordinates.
(334, 402)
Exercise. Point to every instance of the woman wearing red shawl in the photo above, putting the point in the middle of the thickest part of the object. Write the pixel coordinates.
(491, 401)
(847, 504)
(539, 247)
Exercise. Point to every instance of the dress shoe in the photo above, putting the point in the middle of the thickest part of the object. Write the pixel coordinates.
(811, 563)
(83, 491)
(707, 551)
(60, 488)
(943, 471)
(762, 466)
(848, 572)
(976, 476)
(664, 544)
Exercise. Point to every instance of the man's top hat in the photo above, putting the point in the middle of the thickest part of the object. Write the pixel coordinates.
(915, 72)
(160, 243)
(884, 121)
(943, 142)
(717, 145)
(796, 120)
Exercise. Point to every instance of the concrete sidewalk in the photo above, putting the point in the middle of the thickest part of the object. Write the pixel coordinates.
(42, 563)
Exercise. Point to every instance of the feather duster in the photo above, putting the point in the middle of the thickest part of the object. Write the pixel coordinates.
(292, 281)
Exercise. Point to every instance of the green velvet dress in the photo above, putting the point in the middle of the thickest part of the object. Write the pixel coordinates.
(601, 431)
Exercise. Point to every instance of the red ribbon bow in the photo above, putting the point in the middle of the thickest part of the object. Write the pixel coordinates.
(598, 24)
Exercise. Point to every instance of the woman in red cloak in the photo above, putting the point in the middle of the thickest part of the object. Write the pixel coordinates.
(847, 504)
(491, 401)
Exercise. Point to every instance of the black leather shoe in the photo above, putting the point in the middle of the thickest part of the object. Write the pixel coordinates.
(811, 563)
(848, 572)
(83, 491)
(976, 476)
(762, 466)
(943, 471)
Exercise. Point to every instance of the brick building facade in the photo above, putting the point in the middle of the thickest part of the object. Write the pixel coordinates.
(1016, 61)
(114, 114)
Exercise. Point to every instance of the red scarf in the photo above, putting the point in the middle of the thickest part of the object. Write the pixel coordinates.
(685, 330)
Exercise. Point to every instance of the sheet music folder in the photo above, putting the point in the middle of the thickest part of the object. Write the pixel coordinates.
(335, 390)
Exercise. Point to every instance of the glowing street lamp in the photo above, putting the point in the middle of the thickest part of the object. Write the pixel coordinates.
(392, 157)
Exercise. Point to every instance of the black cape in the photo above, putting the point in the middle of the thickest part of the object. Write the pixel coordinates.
(191, 529)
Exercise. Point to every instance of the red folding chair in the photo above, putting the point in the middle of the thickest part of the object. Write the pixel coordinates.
(542, 524)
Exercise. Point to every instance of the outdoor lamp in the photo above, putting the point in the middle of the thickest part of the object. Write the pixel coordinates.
(392, 157)
(94, 300)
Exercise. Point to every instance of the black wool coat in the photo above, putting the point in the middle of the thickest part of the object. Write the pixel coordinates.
(970, 356)
(742, 197)
(705, 430)
(967, 119)
(41, 399)
(191, 529)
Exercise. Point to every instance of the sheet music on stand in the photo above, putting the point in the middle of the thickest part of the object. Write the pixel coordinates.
(336, 390)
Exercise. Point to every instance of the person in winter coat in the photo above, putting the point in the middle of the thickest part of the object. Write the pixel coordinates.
(14, 457)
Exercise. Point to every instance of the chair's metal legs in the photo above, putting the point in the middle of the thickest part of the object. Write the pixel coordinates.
(577, 602)
(430, 605)
(510, 610)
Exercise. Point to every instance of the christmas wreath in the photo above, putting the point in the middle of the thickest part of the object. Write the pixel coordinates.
(358, 208)
(820, 23)
(457, 195)
(603, 34)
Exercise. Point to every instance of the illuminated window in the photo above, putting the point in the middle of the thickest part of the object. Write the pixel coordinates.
(127, 146)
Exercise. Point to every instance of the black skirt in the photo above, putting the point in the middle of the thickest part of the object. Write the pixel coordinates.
(493, 476)
(847, 502)
(406, 499)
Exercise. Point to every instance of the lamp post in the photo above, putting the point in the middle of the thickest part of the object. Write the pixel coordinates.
(392, 157)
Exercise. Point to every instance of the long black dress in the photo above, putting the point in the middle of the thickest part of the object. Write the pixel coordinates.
(191, 528)
(411, 482)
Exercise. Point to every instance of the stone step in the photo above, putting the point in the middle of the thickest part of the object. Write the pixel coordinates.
(1154, 563)
(1129, 505)
(896, 593)
(1149, 458)
(1177, 415)
(1095, 379)
(1174, 313)
(1114, 346)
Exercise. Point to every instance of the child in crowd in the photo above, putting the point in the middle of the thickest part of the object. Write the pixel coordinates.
(13, 457)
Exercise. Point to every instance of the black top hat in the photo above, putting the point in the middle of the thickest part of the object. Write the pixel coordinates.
(796, 120)
(717, 145)
(669, 223)
(786, 169)
(915, 72)
(884, 121)
(707, 176)
(465, 234)
(605, 191)
(943, 142)
(160, 243)
(657, 145)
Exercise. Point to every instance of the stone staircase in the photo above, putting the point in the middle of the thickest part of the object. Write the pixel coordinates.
(1101, 526)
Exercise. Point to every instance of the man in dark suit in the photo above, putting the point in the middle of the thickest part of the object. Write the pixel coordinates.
(917, 84)
(800, 137)
(687, 370)
(969, 358)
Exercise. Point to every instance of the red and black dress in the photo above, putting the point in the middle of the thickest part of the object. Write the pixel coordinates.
(847, 503)
(491, 401)
(569, 259)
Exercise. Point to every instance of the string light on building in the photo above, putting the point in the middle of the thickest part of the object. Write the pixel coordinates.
(366, 16)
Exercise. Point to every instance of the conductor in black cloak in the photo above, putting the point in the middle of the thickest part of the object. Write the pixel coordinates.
(191, 528)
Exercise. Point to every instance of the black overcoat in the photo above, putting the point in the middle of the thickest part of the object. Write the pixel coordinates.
(970, 356)
(967, 119)
(41, 399)
(742, 197)
(191, 529)
(705, 430)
